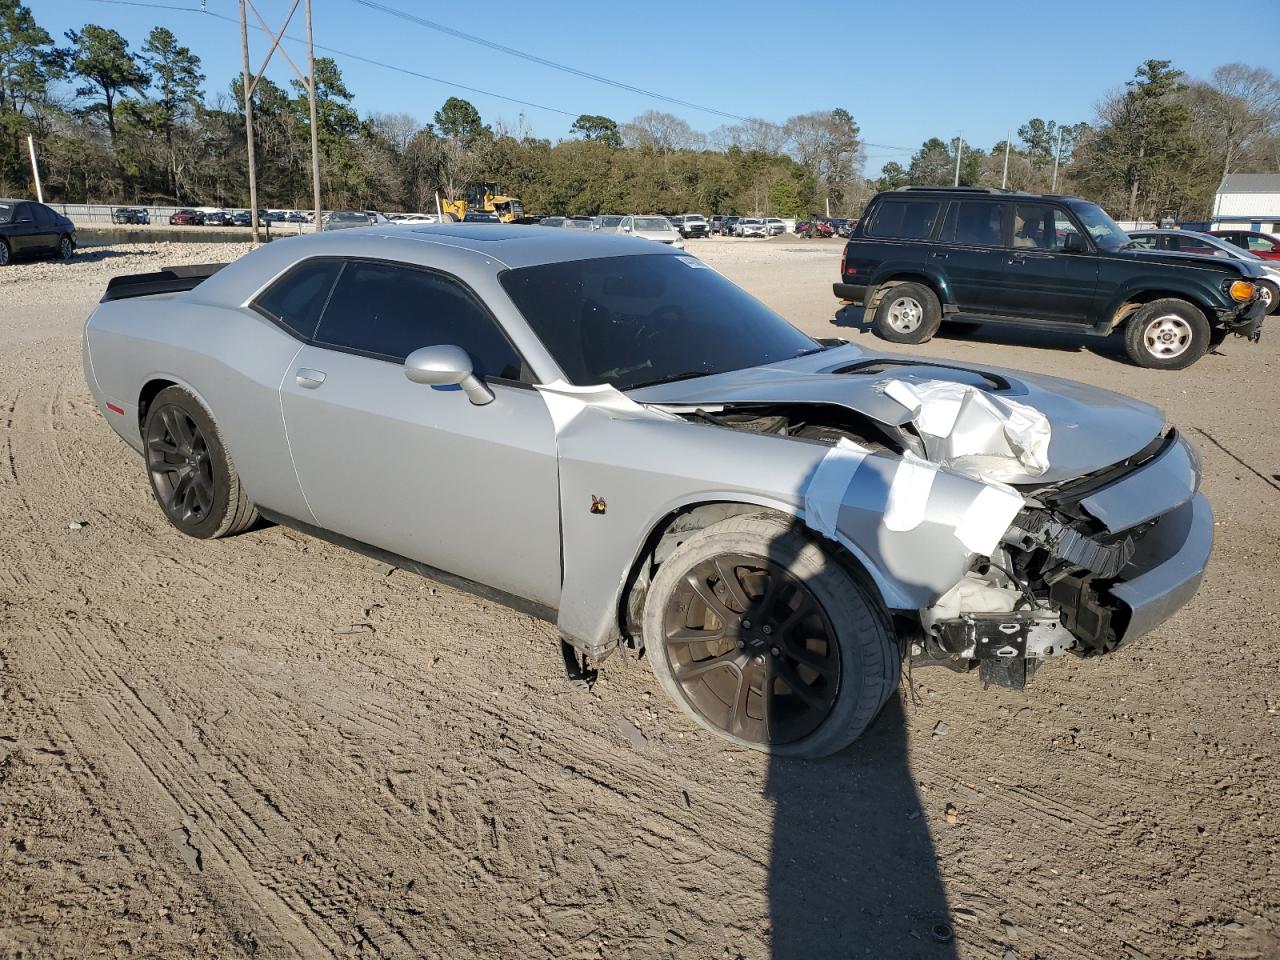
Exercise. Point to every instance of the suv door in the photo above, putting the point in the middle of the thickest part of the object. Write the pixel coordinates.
(970, 253)
(419, 470)
(1043, 281)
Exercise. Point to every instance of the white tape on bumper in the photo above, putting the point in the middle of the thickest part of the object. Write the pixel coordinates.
(825, 493)
(987, 518)
(909, 493)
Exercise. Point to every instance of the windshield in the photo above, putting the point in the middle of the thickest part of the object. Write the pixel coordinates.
(652, 223)
(1106, 232)
(609, 220)
(578, 224)
(638, 320)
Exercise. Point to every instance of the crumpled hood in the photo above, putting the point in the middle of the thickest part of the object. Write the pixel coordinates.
(1092, 428)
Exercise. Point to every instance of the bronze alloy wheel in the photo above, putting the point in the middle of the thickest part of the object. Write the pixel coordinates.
(752, 649)
(180, 464)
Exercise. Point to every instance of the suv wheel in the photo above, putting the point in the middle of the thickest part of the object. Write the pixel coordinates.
(1270, 295)
(908, 313)
(764, 638)
(1167, 335)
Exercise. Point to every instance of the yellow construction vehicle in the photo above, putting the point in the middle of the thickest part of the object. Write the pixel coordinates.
(483, 197)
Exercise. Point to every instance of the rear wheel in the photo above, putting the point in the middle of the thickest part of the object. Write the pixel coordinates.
(1167, 334)
(192, 475)
(6, 256)
(908, 313)
(765, 639)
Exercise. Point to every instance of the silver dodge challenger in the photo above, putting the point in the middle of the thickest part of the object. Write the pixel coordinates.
(607, 433)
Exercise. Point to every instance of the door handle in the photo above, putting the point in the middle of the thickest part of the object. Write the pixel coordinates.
(938, 256)
(309, 378)
(1017, 258)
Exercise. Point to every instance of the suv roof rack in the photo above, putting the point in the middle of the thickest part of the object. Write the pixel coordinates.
(998, 190)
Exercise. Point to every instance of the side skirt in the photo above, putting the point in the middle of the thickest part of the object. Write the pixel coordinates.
(520, 604)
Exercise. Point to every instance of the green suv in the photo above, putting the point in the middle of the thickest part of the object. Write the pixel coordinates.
(922, 256)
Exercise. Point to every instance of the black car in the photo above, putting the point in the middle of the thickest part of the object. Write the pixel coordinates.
(218, 218)
(30, 229)
(921, 256)
(130, 215)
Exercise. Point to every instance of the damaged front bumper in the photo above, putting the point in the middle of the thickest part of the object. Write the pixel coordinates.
(1245, 321)
(1097, 564)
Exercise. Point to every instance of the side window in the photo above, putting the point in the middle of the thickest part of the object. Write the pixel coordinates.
(1040, 226)
(1146, 242)
(1261, 244)
(905, 219)
(389, 311)
(43, 215)
(23, 212)
(975, 222)
(297, 298)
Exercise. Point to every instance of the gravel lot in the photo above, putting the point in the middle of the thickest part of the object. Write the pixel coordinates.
(266, 746)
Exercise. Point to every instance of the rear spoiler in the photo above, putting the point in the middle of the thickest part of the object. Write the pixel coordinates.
(166, 280)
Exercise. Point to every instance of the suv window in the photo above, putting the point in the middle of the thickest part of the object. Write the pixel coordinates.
(905, 219)
(387, 311)
(44, 216)
(1041, 226)
(978, 222)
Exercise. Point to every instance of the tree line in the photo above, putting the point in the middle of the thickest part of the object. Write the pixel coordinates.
(119, 125)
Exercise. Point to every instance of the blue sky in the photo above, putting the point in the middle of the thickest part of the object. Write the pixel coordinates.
(905, 71)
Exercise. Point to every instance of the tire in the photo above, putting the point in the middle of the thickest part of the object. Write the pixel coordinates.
(1168, 334)
(65, 247)
(192, 475)
(6, 255)
(908, 313)
(848, 646)
(1270, 292)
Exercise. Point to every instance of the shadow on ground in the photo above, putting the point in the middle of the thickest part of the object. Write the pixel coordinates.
(855, 318)
(853, 869)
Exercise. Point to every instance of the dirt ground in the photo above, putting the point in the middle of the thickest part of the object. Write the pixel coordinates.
(269, 747)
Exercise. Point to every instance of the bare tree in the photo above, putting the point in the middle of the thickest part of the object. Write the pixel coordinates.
(661, 133)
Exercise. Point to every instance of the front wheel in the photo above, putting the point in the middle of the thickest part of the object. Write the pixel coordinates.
(1167, 334)
(908, 313)
(192, 475)
(65, 248)
(764, 638)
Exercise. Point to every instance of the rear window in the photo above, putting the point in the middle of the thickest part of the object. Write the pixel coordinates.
(296, 299)
(904, 219)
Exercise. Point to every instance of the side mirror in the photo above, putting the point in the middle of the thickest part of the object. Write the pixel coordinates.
(447, 365)
(1074, 243)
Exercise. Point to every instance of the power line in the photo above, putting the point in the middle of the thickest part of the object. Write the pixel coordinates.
(349, 55)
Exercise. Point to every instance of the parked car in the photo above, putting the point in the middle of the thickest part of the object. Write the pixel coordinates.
(138, 215)
(1260, 244)
(345, 220)
(416, 219)
(839, 226)
(1208, 245)
(750, 227)
(775, 226)
(218, 218)
(690, 225)
(606, 221)
(579, 223)
(614, 438)
(716, 224)
(552, 222)
(479, 216)
(186, 218)
(729, 226)
(654, 228)
(30, 229)
(920, 256)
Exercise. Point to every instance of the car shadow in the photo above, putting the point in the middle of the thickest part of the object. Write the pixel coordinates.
(853, 869)
(854, 317)
(89, 254)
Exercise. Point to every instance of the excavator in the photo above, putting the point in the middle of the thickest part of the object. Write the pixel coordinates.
(483, 197)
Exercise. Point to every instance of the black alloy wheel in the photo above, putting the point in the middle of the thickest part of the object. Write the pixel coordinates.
(752, 650)
(181, 467)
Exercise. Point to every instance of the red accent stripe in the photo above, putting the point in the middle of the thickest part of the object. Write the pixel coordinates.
(114, 409)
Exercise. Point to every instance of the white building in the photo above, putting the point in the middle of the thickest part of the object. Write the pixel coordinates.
(1247, 201)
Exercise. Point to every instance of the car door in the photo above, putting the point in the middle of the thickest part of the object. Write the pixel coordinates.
(418, 470)
(970, 253)
(44, 239)
(24, 234)
(1042, 280)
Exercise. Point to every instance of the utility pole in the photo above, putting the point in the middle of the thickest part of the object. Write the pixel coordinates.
(35, 167)
(959, 152)
(1004, 180)
(1057, 155)
(248, 124)
(251, 83)
(315, 130)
